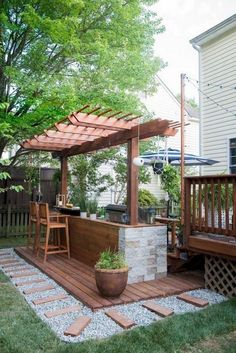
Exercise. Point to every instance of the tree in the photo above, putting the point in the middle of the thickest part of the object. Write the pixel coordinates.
(170, 181)
(87, 178)
(4, 175)
(191, 102)
(57, 55)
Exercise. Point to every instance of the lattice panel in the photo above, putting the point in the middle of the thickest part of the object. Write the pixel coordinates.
(220, 275)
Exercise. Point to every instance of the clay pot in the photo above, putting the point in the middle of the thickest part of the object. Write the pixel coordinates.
(111, 283)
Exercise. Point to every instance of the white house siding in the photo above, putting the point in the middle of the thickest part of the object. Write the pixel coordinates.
(218, 67)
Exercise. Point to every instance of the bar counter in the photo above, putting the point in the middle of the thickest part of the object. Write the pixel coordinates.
(144, 245)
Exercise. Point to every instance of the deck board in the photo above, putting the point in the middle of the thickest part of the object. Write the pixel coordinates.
(78, 279)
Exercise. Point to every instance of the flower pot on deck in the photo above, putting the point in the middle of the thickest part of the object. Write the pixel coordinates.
(111, 283)
(83, 214)
(93, 216)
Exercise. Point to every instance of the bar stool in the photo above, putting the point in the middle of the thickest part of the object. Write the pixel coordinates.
(56, 246)
(33, 221)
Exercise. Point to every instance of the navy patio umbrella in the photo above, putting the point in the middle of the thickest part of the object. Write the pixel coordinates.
(173, 157)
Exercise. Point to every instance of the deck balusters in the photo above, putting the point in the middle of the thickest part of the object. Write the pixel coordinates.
(211, 204)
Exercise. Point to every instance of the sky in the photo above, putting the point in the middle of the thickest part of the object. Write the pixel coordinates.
(184, 20)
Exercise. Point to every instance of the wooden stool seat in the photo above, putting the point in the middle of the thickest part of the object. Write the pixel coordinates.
(55, 224)
(44, 221)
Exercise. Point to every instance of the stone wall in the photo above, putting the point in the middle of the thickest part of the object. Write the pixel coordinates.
(145, 252)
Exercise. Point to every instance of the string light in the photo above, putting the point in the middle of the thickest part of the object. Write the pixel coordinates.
(209, 84)
(210, 98)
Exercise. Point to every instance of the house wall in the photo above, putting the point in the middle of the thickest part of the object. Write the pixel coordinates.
(217, 66)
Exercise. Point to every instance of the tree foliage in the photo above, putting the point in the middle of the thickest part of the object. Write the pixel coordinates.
(5, 175)
(57, 55)
(89, 176)
(170, 180)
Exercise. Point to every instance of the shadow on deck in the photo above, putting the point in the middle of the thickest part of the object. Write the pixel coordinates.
(78, 279)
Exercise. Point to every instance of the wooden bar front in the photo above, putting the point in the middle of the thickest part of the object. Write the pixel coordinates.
(88, 238)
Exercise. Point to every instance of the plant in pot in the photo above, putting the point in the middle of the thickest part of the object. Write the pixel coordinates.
(111, 273)
(92, 207)
(83, 205)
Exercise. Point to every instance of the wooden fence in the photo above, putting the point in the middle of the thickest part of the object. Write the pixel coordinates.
(13, 221)
(14, 206)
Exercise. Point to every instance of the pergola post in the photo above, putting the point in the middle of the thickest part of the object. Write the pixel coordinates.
(132, 181)
(64, 171)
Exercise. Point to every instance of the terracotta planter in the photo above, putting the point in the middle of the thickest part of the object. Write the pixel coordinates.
(111, 283)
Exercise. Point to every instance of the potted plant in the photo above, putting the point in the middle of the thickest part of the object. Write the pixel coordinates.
(83, 205)
(92, 207)
(111, 273)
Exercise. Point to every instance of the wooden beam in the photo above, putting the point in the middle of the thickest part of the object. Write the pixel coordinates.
(146, 130)
(43, 147)
(61, 145)
(56, 136)
(132, 181)
(105, 122)
(83, 130)
(64, 172)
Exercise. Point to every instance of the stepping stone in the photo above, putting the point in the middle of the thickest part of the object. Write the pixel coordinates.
(120, 319)
(78, 326)
(16, 270)
(23, 274)
(8, 261)
(26, 283)
(3, 253)
(49, 299)
(68, 309)
(158, 309)
(201, 303)
(12, 264)
(38, 289)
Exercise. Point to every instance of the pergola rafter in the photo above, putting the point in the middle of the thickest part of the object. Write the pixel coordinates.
(83, 132)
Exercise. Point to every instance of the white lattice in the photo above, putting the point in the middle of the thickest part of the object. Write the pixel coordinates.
(220, 275)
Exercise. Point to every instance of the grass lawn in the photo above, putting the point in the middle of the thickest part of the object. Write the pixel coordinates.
(210, 330)
(12, 242)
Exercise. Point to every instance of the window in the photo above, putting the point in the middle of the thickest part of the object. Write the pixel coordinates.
(232, 156)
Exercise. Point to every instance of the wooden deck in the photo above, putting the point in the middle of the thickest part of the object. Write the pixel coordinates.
(78, 279)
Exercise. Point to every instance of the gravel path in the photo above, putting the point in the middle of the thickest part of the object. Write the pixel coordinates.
(101, 326)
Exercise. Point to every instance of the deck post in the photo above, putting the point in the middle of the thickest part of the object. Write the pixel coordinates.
(64, 171)
(132, 181)
(187, 213)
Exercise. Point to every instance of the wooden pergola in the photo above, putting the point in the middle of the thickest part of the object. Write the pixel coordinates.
(84, 131)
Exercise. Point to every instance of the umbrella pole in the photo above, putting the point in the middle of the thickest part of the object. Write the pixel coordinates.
(182, 145)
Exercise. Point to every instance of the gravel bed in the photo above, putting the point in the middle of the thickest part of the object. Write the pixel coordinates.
(101, 326)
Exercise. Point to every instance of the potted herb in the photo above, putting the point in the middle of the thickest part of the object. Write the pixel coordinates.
(92, 207)
(83, 205)
(111, 273)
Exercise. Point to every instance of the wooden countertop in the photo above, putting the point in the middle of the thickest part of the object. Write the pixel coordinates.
(118, 225)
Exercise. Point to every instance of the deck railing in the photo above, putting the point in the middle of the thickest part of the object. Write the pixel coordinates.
(210, 205)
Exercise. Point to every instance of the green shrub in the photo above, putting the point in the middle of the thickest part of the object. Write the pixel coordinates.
(110, 260)
(146, 198)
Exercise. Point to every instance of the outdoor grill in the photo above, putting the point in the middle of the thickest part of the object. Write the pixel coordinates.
(118, 214)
